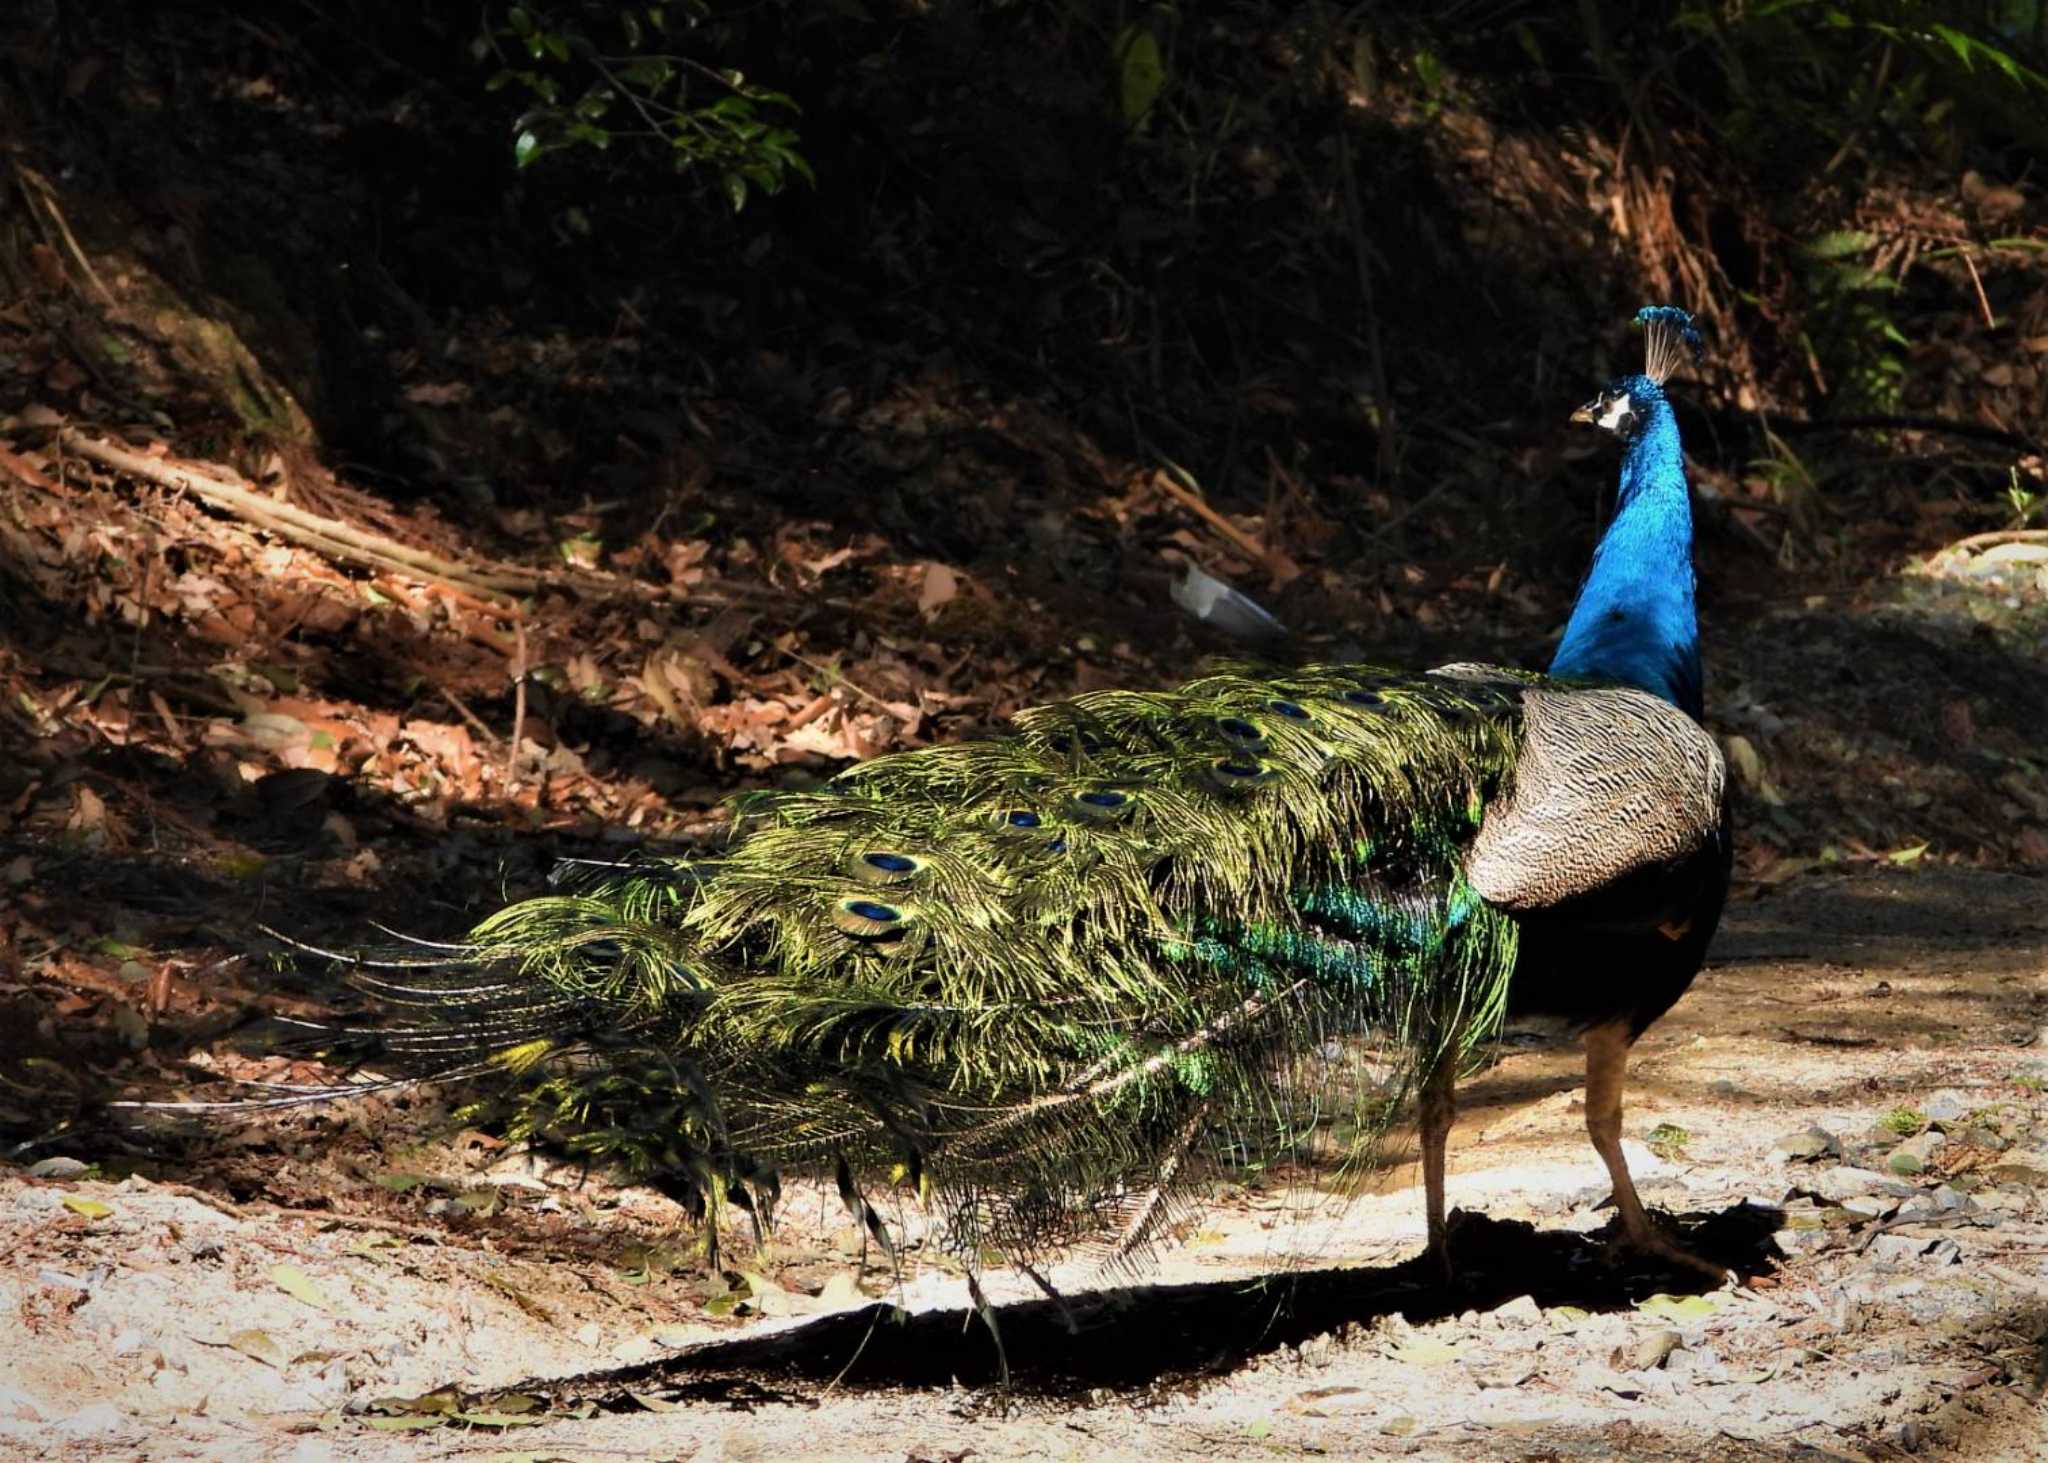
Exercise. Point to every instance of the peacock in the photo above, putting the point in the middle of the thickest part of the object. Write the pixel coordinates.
(1040, 981)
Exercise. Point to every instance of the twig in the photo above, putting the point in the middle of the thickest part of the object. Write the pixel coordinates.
(1969, 263)
(331, 536)
(35, 185)
(476, 722)
(1827, 1038)
(518, 700)
(1165, 483)
(1997, 536)
(363, 1221)
(1924, 1221)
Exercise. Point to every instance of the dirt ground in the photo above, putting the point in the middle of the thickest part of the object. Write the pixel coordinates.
(1850, 1028)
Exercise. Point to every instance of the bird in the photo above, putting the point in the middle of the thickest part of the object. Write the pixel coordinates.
(1040, 980)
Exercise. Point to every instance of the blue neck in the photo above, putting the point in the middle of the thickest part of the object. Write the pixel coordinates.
(1634, 622)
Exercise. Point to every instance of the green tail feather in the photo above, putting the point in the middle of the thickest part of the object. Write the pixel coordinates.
(1042, 973)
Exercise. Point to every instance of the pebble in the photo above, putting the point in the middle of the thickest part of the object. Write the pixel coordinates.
(1945, 1252)
(1802, 1241)
(1647, 1352)
(1812, 1142)
(1912, 1156)
(57, 1168)
(95, 1421)
(1946, 1106)
(1843, 1182)
(1896, 1249)
(1521, 1311)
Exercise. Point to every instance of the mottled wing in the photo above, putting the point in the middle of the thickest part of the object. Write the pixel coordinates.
(1609, 781)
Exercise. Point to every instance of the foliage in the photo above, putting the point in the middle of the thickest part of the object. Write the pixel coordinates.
(602, 73)
(1904, 1121)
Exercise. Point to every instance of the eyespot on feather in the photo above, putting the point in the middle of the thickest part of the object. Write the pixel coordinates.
(869, 919)
(1292, 710)
(1101, 805)
(882, 867)
(1238, 774)
(1241, 734)
(1369, 700)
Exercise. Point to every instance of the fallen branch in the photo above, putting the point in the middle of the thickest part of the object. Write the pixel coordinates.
(1995, 537)
(329, 536)
(1165, 483)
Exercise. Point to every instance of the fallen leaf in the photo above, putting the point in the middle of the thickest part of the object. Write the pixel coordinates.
(1424, 1351)
(295, 1283)
(259, 1346)
(941, 586)
(1681, 1307)
(90, 1208)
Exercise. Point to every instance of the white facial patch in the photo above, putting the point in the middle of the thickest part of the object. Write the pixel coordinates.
(1615, 412)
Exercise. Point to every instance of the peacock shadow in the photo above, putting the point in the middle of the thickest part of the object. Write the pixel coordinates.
(1145, 1340)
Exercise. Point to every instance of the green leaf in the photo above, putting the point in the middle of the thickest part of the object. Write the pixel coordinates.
(1144, 73)
(1681, 1307)
(526, 149)
(1840, 244)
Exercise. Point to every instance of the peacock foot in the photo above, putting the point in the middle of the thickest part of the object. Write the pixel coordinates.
(1439, 1253)
(1646, 1241)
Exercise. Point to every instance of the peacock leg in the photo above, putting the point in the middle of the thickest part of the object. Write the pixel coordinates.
(1606, 1069)
(1436, 1107)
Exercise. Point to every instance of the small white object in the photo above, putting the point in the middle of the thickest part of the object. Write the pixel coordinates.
(1214, 602)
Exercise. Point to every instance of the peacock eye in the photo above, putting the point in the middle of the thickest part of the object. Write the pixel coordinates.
(1370, 700)
(1289, 709)
(1101, 805)
(869, 919)
(881, 866)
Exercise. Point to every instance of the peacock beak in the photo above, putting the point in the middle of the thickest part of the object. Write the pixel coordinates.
(1587, 414)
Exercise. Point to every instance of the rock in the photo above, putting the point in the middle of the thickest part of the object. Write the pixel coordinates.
(1843, 1182)
(1521, 1311)
(1503, 1378)
(1991, 1138)
(1647, 1352)
(1948, 1200)
(1946, 1106)
(57, 1168)
(1805, 1145)
(1870, 1207)
(1803, 1241)
(1944, 1252)
(2020, 1173)
(95, 1421)
(1912, 1156)
(1896, 1249)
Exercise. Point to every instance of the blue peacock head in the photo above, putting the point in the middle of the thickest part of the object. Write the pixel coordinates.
(1669, 337)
